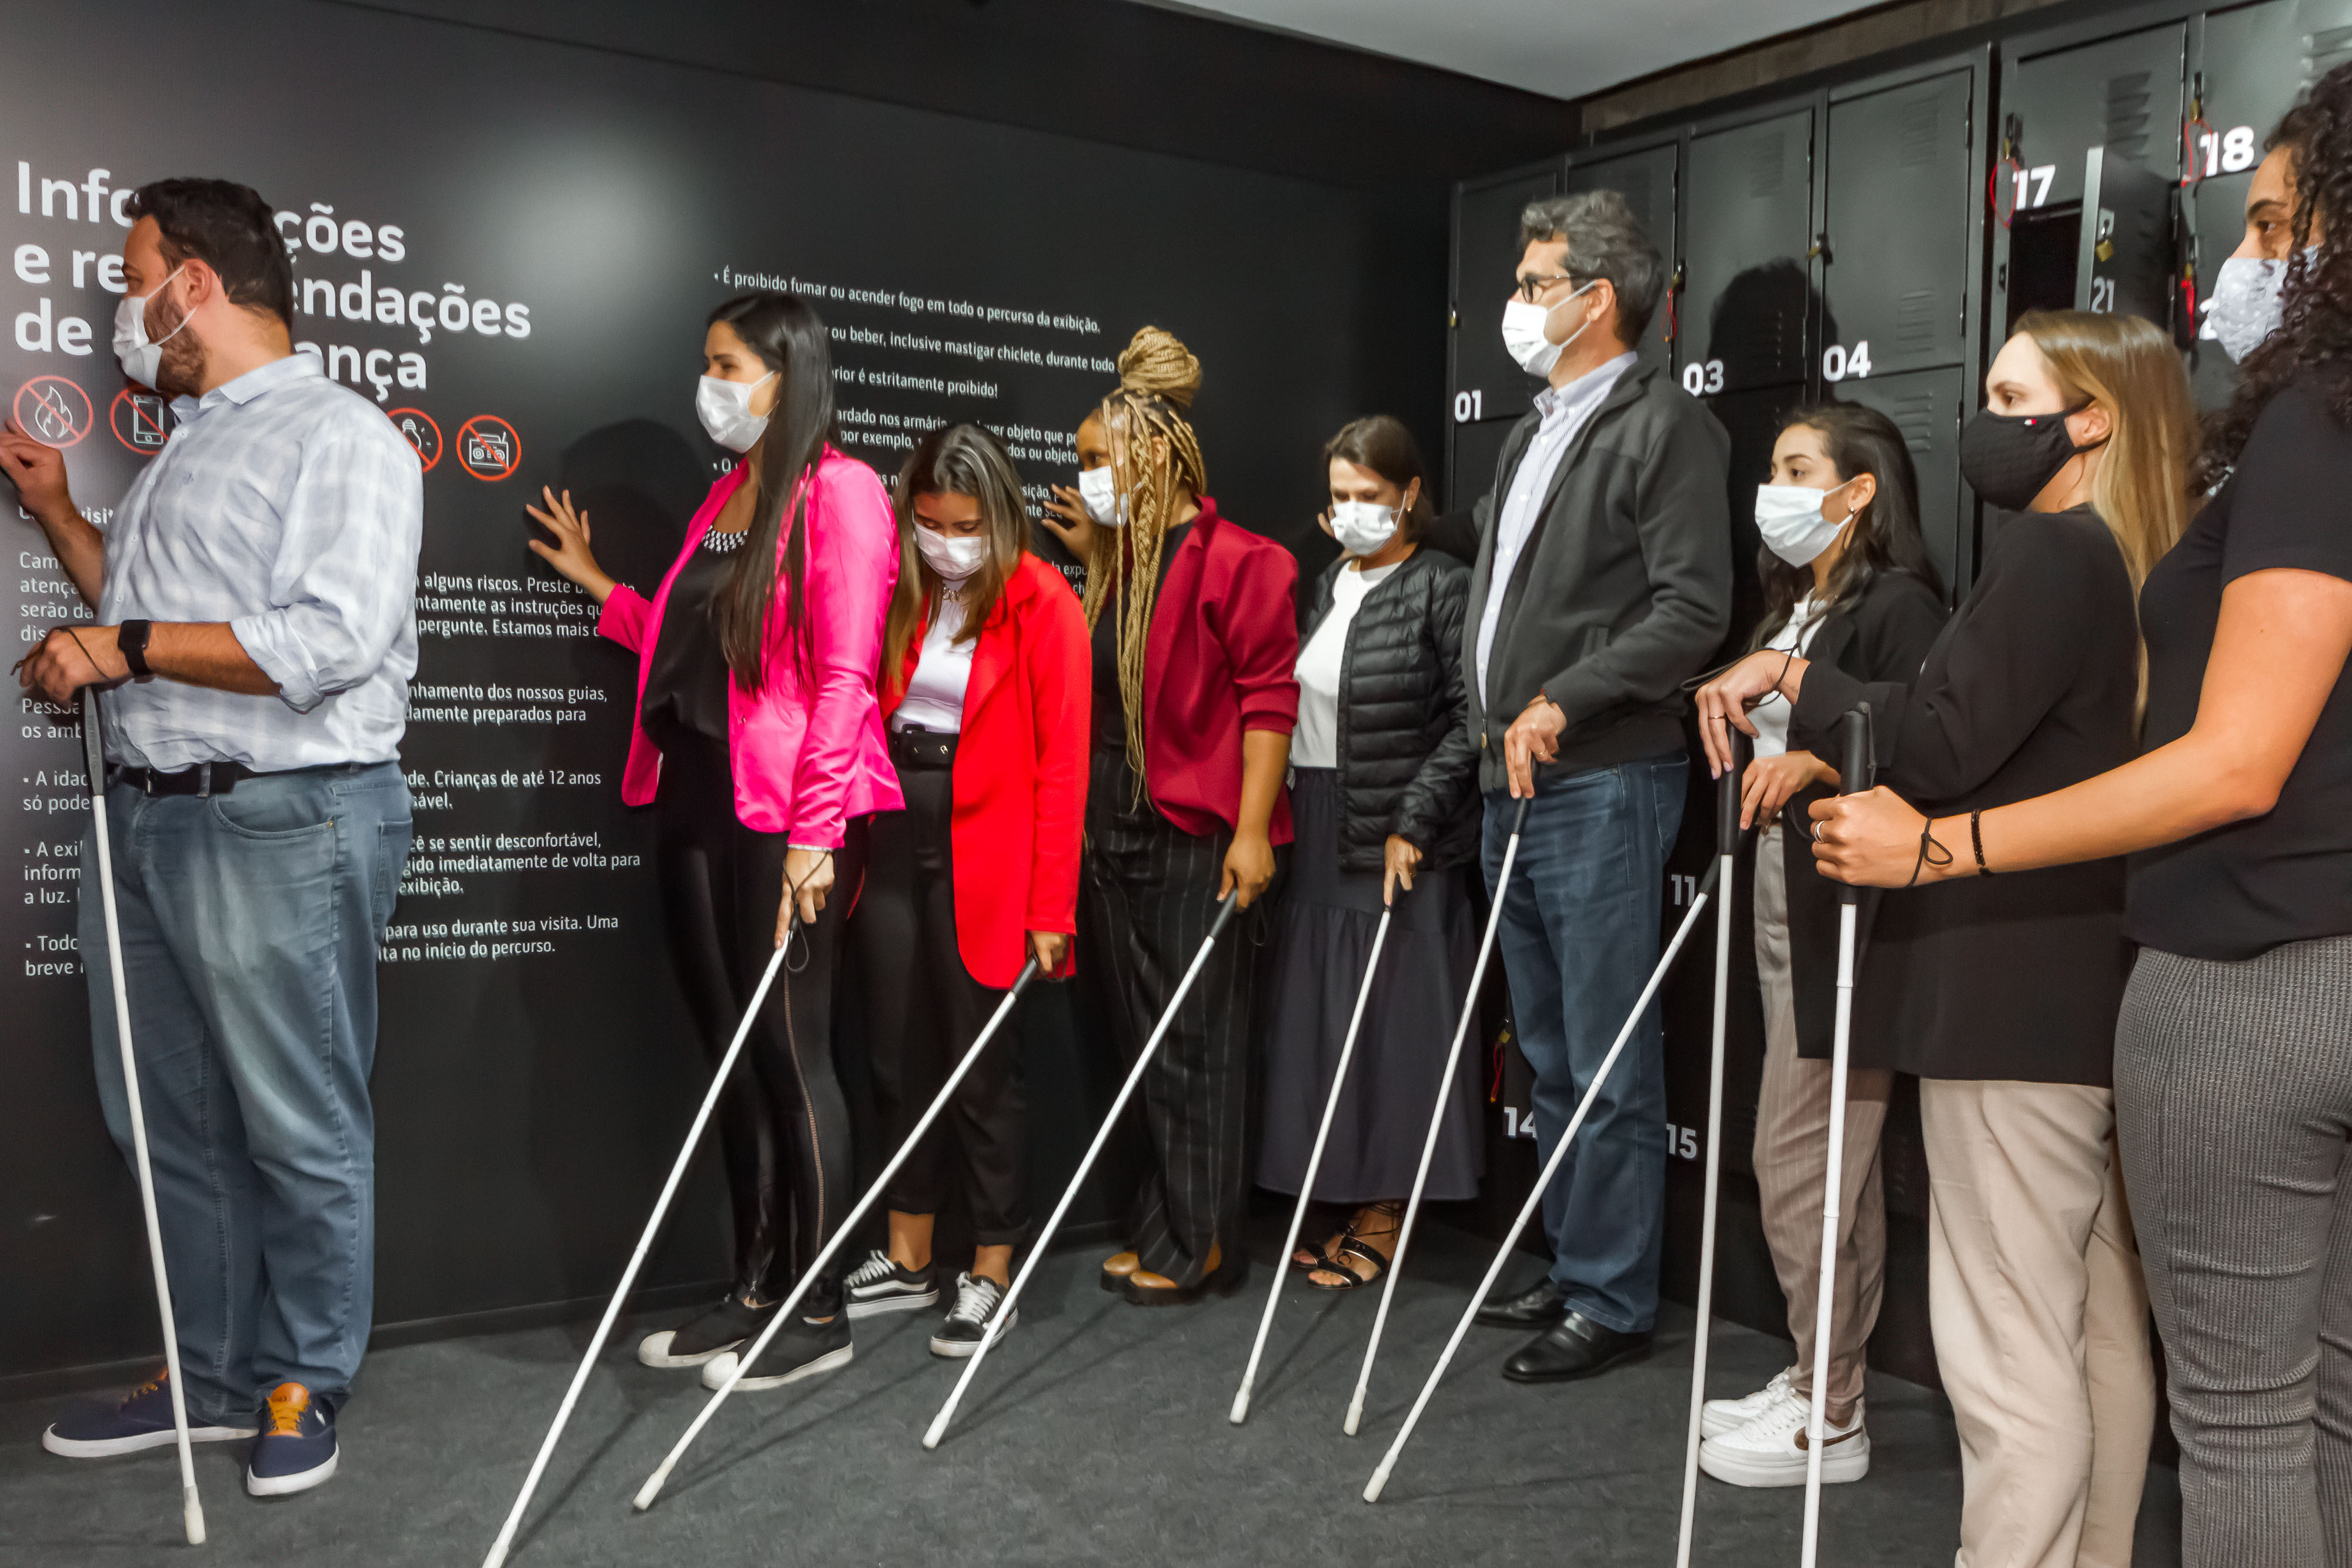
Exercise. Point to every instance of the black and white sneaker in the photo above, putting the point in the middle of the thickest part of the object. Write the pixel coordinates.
(722, 1328)
(879, 1285)
(801, 1349)
(978, 1297)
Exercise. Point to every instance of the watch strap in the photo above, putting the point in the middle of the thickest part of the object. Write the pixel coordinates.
(131, 639)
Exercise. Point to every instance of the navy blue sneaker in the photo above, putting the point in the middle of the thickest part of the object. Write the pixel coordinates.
(143, 1420)
(298, 1450)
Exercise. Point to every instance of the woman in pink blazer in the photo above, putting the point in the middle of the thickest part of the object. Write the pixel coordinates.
(759, 744)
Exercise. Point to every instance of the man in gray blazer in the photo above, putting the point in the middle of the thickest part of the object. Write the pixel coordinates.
(1603, 581)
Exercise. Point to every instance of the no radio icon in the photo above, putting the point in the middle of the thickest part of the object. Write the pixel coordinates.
(54, 412)
(488, 447)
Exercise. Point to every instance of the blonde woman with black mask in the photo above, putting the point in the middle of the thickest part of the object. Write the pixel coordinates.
(2001, 994)
(1847, 581)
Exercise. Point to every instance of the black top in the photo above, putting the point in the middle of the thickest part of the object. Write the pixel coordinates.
(1881, 634)
(2285, 876)
(1407, 762)
(686, 689)
(1110, 707)
(2029, 688)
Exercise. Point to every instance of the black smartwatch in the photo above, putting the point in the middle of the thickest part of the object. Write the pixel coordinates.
(131, 638)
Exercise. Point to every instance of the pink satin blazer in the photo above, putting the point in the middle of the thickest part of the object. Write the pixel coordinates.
(805, 760)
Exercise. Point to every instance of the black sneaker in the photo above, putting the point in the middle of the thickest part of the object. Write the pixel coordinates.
(723, 1327)
(141, 1420)
(297, 1451)
(801, 1349)
(978, 1297)
(879, 1285)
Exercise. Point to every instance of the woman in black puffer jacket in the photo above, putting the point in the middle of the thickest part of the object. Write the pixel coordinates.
(1383, 797)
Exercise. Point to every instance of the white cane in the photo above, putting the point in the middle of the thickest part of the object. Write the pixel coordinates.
(645, 1246)
(1240, 1412)
(191, 1508)
(1437, 1120)
(840, 1235)
(1727, 846)
(1069, 1195)
(1372, 1488)
(1854, 736)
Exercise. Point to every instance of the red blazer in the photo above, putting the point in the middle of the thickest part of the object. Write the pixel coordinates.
(1020, 783)
(1219, 661)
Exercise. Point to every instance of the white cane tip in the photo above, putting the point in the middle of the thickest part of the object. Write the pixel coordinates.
(939, 1429)
(1373, 1488)
(1355, 1418)
(651, 1489)
(196, 1518)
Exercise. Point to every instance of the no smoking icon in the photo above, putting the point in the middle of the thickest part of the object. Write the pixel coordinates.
(53, 410)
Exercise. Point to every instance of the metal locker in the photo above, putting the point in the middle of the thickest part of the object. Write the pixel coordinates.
(1895, 249)
(1927, 406)
(2123, 255)
(1747, 297)
(2251, 66)
(1646, 180)
(1752, 420)
(1477, 449)
(1487, 384)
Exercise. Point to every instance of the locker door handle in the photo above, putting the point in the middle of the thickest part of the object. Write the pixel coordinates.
(1820, 247)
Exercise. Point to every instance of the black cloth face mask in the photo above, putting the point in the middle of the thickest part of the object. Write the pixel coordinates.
(2008, 458)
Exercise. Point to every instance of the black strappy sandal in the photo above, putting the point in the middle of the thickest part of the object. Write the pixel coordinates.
(1353, 1245)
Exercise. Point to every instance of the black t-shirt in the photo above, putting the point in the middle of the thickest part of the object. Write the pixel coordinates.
(1110, 704)
(686, 689)
(2285, 876)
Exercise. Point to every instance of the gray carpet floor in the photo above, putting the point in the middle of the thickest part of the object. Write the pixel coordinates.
(1095, 1432)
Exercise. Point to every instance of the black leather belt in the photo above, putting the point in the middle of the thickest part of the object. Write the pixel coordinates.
(204, 779)
(914, 747)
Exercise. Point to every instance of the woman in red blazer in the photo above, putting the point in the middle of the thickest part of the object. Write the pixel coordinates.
(1194, 637)
(985, 696)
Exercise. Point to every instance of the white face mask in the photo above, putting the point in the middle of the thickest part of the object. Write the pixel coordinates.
(953, 557)
(1363, 527)
(2244, 307)
(141, 360)
(725, 408)
(1523, 333)
(1100, 492)
(1790, 518)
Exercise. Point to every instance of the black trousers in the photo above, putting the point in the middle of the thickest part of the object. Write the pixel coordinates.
(783, 1126)
(923, 1010)
(1147, 897)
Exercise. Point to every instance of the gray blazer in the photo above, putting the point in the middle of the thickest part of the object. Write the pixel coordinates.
(1623, 591)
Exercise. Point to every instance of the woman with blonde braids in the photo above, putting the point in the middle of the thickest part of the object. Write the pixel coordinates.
(1195, 638)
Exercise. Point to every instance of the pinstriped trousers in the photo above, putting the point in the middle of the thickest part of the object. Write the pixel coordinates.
(2233, 1095)
(1147, 898)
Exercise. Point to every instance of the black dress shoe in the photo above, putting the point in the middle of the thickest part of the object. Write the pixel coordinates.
(1574, 1347)
(1538, 1306)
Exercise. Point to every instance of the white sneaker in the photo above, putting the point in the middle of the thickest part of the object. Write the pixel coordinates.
(1717, 1416)
(1769, 1451)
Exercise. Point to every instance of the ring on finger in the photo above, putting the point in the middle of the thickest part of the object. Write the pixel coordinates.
(1817, 832)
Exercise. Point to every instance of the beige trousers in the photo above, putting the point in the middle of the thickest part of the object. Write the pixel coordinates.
(2041, 1322)
(1792, 1128)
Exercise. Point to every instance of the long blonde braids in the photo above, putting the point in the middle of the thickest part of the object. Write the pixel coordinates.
(1156, 466)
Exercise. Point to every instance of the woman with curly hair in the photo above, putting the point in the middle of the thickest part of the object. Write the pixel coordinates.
(1194, 637)
(2233, 1053)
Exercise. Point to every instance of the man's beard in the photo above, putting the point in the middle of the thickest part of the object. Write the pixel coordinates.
(180, 372)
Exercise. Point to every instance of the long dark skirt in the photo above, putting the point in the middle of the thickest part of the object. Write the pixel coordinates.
(1328, 923)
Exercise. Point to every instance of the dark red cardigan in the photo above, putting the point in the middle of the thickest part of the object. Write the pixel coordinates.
(1219, 661)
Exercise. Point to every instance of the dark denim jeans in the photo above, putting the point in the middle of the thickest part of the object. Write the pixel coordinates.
(250, 922)
(1579, 938)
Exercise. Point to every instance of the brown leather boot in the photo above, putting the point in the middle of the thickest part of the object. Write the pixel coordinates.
(1146, 1289)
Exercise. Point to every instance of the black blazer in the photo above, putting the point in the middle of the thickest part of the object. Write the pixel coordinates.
(1623, 588)
(2032, 687)
(1883, 634)
(1406, 761)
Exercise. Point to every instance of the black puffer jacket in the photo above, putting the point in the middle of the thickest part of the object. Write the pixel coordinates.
(1407, 764)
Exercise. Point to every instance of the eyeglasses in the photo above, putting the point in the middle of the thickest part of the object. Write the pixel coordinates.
(1532, 285)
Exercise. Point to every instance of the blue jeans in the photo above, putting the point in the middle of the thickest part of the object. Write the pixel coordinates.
(250, 922)
(1579, 938)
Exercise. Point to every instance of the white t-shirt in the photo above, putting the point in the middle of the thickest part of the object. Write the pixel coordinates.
(1770, 716)
(934, 697)
(1315, 742)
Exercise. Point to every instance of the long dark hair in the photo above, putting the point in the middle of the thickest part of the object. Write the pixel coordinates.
(790, 339)
(2314, 342)
(1380, 442)
(959, 460)
(1886, 532)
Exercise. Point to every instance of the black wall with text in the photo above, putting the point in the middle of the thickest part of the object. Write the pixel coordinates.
(506, 235)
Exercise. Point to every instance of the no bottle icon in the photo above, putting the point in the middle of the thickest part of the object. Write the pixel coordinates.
(416, 428)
